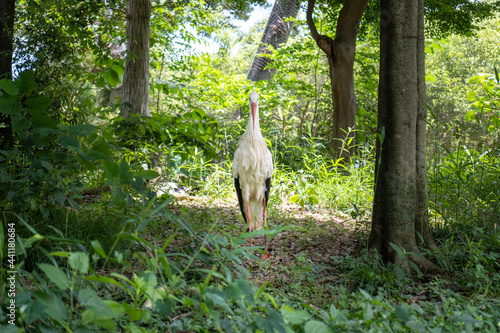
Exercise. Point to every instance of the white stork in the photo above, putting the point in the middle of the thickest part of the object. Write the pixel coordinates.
(252, 171)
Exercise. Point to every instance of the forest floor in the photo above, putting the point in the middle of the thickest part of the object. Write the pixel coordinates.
(303, 257)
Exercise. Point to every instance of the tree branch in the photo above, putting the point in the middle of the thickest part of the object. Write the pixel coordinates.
(324, 42)
(349, 18)
(310, 21)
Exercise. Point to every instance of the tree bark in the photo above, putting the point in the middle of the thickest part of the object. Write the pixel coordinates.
(341, 52)
(400, 199)
(424, 236)
(7, 17)
(135, 95)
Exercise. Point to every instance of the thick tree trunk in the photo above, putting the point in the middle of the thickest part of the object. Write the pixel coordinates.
(341, 52)
(400, 201)
(135, 95)
(7, 17)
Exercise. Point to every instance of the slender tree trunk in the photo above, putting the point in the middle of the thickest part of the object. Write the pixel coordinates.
(400, 200)
(7, 17)
(135, 95)
(422, 227)
(341, 52)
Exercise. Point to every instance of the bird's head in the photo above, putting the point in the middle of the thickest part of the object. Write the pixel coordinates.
(254, 102)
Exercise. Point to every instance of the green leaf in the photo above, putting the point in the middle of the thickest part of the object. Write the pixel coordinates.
(274, 322)
(295, 317)
(54, 307)
(39, 120)
(368, 311)
(83, 129)
(313, 200)
(147, 174)
(470, 115)
(112, 169)
(117, 194)
(27, 225)
(138, 185)
(464, 318)
(38, 104)
(98, 248)
(20, 123)
(430, 78)
(101, 146)
(92, 155)
(314, 326)
(89, 316)
(9, 87)
(294, 198)
(111, 77)
(7, 100)
(26, 82)
(397, 249)
(365, 294)
(9, 328)
(333, 311)
(218, 297)
(79, 261)
(105, 279)
(115, 307)
(89, 299)
(60, 197)
(471, 96)
(14, 108)
(495, 120)
(174, 218)
(125, 175)
(55, 275)
(415, 267)
(35, 238)
(402, 314)
(69, 142)
(149, 279)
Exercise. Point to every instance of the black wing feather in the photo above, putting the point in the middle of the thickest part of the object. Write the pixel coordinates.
(240, 197)
(268, 189)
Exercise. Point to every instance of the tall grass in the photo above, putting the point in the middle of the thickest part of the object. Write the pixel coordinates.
(319, 180)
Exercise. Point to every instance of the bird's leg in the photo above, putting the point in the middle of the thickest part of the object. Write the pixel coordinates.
(266, 254)
(249, 218)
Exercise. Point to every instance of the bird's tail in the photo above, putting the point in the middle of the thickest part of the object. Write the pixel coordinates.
(257, 216)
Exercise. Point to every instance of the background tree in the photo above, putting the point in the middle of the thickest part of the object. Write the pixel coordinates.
(340, 52)
(456, 16)
(135, 90)
(277, 30)
(70, 151)
(400, 201)
(7, 16)
(135, 94)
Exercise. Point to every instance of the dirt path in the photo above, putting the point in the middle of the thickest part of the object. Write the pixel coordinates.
(311, 247)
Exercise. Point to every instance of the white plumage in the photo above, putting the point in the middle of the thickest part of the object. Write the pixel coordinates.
(252, 171)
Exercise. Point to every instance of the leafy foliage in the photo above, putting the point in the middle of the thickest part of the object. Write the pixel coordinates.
(42, 151)
(124, 259)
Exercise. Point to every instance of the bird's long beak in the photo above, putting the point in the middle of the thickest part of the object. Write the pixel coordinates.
(254, 111)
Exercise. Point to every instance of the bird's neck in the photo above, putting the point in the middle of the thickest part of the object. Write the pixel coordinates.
(253, 127)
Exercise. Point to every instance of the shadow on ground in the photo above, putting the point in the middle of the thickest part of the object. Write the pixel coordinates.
(301, 257)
